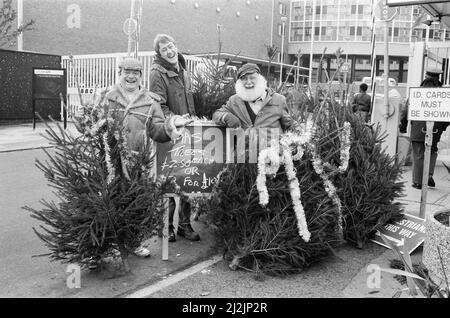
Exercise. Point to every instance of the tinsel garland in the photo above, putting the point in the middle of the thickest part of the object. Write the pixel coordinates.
(300, 141)
(111, 171)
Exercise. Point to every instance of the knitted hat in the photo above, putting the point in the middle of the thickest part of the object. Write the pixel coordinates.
(248, 68)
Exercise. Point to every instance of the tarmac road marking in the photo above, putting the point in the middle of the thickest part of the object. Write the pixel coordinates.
(147, 291)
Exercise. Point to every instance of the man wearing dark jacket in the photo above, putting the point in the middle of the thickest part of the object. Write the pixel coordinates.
(169, 79)
(418, 136)
(361, 103)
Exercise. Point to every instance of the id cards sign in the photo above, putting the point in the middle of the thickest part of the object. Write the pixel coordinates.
(429, 104)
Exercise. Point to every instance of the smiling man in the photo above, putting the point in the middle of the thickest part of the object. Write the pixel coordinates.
(169, 79)
(254, 104)
(142, 117)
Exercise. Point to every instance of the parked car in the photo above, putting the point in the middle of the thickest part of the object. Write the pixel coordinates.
(379, 80)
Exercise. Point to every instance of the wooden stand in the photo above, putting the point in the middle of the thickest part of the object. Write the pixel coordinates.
(165, 236)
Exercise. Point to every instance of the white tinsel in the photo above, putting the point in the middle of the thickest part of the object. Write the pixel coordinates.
(111, 172)
(294, 188)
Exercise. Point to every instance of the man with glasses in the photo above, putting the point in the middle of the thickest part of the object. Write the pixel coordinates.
(169, 79)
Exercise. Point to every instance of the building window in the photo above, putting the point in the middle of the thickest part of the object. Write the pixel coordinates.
(359, 31)
(352, 30)
(317, 10)
(353, 11)
(360, 9)
(317, 31)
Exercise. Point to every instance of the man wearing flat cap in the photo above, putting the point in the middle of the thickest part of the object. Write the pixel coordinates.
(142, 114)
(254, 104)
(417, 134)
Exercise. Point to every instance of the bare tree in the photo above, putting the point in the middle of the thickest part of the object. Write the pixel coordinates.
(8, 30)
(272, 50)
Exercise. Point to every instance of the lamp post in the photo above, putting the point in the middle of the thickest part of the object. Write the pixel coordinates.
(283, 21)
(19, 24)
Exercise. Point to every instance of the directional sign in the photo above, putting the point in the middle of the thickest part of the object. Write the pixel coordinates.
(410, 232)
(129, 26)
(383, 12)
(429, 103)
(345, 67)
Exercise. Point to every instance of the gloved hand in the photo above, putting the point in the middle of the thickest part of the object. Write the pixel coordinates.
(231, 121)
(181, 121)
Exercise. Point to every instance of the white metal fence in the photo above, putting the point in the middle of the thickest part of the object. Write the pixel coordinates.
(88, 74)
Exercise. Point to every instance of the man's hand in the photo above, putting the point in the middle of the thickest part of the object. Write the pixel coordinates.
(231, 121)
(181, 122)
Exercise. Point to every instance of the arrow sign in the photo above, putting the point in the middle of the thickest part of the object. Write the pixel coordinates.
(409, 231)
(383, 12)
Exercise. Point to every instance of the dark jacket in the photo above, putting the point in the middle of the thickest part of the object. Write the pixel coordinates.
(361, 102)
(418, 128)
(173, 87)
(274, 113)
(143, 118)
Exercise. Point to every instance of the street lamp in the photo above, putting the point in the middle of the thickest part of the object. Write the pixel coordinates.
(283, 21)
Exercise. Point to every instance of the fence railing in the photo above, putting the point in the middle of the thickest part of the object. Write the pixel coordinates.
(87, 75)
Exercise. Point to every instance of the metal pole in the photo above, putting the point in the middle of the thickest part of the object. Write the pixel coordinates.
(282, 53)
(130, 37)
(138, 29)
(19, 24)
(271, 25)
(386, 70)
(312, 43)
(426, 168)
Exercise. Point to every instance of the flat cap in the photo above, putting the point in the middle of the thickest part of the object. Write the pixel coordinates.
(434, 71)
(131, 64)
(248, 68)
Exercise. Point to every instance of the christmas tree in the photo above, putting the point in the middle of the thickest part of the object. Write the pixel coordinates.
(108, 200)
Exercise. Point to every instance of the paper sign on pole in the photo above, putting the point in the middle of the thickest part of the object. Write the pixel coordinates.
(429, 104)
(410, 232)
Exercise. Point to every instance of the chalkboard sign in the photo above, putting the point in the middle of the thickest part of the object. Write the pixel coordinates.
(49, 84)
(196, 159)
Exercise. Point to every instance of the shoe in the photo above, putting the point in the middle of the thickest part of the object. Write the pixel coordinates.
(187, 232)
(141, 251)
(431, 182)
(172, 237)
(94, 263)
(417, 186)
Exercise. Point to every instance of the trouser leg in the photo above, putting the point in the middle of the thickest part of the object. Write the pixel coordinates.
(171, 210)
(418, 150)
(433, 158)
(185, 213)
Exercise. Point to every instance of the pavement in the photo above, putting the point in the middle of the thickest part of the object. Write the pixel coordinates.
(349, 273)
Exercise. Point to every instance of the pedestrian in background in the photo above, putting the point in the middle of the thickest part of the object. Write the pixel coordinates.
(169, 79)
(361, 103)
(417, 135)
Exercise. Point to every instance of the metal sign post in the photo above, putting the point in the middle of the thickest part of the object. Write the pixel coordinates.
(384, 13)
(426, 168)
